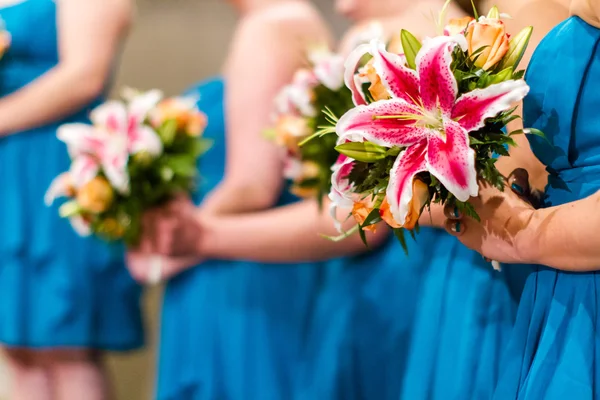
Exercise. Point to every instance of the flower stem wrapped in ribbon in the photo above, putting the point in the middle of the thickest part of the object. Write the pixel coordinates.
(434, 123)
(136, 154)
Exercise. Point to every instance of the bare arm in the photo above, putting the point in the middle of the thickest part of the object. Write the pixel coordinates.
(265, 54)
(564, 237)
(89, 36)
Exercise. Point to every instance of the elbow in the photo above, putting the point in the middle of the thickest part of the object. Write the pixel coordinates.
(88, 82)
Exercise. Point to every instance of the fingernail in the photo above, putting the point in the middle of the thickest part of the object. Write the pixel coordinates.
(456, 227)
(517, 188)
(455, 212)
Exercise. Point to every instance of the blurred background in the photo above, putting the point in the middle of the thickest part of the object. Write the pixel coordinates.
(174, 43)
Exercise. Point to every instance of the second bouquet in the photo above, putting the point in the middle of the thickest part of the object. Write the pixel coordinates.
(136, 154)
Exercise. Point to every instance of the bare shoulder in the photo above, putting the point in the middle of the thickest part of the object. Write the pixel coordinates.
(290, 20)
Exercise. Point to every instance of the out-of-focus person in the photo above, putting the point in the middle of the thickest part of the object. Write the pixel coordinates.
(63, 299)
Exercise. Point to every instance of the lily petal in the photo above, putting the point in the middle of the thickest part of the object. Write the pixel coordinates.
(361, 122)
(341, 189)
(351, 65)
(144, 138)
(84, 168)
(114, 166)
(111, 115)
(472, 108)
(80, 225)
(438, 85)
(452, 161)
(399, 192)
(60, 187)
(80, 138)
(399, 80)
(141, 105)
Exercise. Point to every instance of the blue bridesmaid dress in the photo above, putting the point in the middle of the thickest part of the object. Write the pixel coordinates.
(56, 289)
(555, 348)
(233, 329)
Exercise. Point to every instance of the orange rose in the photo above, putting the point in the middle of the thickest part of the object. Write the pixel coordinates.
(457, 26)
(5, 40)
(489, 32)
(377, 90)
(96, 196)
(386, 214)
(360, 212)
(420, 197)
(303, 192)
(290, 130)
(188, 119)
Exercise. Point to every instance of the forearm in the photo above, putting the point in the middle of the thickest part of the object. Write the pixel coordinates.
(285, 234)
(232, 198)
(55, 95)
(564, 237)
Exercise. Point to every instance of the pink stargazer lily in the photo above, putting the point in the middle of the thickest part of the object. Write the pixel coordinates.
(425, 117)
(63, 186)
(341, 194)
(118, 131)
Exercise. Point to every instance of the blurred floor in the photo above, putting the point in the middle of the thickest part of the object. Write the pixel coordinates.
(174, 44)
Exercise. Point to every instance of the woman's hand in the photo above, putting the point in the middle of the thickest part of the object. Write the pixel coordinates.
(505, 217)
(151, 268)
(172, 230)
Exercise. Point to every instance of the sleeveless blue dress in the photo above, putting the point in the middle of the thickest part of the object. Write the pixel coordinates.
(554, 352)
(56, 289)
(233, 329)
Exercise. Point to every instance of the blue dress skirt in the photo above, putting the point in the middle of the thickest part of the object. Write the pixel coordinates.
(56, 289)
(554, 352)
(233, 330)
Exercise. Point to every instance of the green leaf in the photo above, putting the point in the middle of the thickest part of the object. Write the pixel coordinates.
(504, 75)
(69, 209)
(411, 47)
(516, 48)
(475, 14)
(468, 210)
(399, 233)
(494, 13)
(530, 131)
(200, 146)
(366, 151)
(168, 131)
(270, 134)
(363, 237)
(373, 218)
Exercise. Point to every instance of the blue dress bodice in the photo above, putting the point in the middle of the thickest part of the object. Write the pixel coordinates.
(555, 347)
(56, 289)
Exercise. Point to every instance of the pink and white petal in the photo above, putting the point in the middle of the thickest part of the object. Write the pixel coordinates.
(141, 105)
(452, 161)
(399, 192)
(292, 168)
(114, 167)
(341, 193)
(352, 63)
(144, 138)
(80, 226)
(83, 169)
(472, 109)
(330, 72)
(361, 122)
(80, 138)
(437, 83)
(59, 187)
(111, 115)
(400, 81)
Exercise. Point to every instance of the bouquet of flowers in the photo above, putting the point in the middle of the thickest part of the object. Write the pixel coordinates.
(137, 153)
(5, 38)
(298, 117)
(428, 123)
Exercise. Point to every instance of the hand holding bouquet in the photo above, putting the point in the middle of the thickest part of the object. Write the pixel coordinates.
(137, 154)
(427, 124)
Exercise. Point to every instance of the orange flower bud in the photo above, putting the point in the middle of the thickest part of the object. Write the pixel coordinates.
(96, 196)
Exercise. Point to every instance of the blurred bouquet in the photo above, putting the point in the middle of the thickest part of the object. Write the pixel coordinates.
(137, 153)
(427, 124)
(299, 115)
(5, 38)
